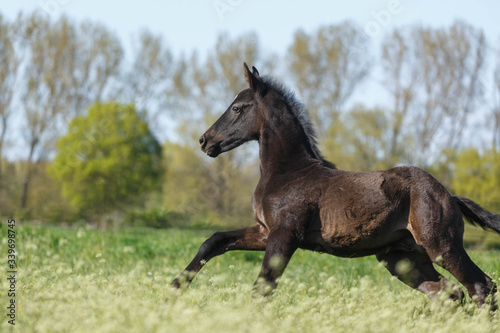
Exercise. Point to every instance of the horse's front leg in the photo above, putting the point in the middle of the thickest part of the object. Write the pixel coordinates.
(282, 243)
(252, 239)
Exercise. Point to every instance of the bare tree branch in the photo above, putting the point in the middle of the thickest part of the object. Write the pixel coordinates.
(325, 69)
(9, 65)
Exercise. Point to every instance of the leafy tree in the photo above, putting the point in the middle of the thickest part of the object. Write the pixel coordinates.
(327, 66)
(478, 177)
(206, 88)
(433, 77)
(186, 177)
(362, 140)
(400, 80)
(496, 103)
(68, 68)
(9, 64)
(108, 158)
(201, 91)
(149, 78)
(206, 194)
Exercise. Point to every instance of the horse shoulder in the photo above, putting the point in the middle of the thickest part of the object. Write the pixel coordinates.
(292, 196)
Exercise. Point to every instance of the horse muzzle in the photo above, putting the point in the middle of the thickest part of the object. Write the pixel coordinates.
(211, 149)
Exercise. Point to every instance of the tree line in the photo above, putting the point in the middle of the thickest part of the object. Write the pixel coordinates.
(60, 81)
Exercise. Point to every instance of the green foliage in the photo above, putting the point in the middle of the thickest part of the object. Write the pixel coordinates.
(442, 169)
(207, 191)
(204, 190)
(107, 159)
(155, 218)
(359, 140)
(477, 176)
(46, 202)
(96, 281)
(184, 179)
(479, 239)
(10, 189)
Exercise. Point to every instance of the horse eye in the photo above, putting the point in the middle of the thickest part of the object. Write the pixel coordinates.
(236, 109)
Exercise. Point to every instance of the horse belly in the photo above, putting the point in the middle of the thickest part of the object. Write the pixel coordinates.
(358, 231)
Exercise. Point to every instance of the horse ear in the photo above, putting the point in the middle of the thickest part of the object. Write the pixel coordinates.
(255, 72)
(253, 78)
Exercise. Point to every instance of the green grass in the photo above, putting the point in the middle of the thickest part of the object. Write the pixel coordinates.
(80, 280)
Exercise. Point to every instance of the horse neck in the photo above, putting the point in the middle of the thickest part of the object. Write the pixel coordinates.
(283, 145)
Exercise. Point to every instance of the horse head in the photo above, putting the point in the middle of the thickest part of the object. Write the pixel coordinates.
(240, 122)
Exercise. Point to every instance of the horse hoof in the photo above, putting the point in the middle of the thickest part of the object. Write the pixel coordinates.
(176, 284)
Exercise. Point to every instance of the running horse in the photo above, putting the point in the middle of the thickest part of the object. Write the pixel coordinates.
(303, 201)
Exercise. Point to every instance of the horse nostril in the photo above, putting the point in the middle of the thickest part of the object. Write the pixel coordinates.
(202, 141)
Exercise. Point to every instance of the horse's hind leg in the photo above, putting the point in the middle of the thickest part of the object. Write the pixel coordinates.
(458, 263)
(252, 238)
(436, 224)
(416, 270)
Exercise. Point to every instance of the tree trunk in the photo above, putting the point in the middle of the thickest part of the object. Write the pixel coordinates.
(29, 173)
(2, 140)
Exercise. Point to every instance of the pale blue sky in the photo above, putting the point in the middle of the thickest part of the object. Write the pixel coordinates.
(194, 24)
(189, 25)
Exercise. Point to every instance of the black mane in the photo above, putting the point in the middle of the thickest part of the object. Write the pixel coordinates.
(302, 115)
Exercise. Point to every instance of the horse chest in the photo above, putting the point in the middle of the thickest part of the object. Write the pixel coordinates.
(265, 203)
(258, 208)
(288, 202)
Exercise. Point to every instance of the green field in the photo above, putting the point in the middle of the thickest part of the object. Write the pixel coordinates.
(82, 280)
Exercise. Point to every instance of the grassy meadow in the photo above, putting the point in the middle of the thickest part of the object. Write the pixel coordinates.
(84, 280)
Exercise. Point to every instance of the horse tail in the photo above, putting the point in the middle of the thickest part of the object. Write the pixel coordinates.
(477, 215)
